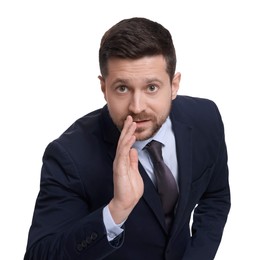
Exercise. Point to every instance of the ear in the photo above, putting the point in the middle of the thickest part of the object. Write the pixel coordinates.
(175, 85)
(103, 86)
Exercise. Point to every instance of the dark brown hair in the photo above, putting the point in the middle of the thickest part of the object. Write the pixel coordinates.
(135, 38)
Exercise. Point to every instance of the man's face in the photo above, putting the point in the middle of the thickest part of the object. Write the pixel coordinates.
(140, 88)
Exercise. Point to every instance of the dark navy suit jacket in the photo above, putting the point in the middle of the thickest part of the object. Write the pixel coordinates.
(77, 182)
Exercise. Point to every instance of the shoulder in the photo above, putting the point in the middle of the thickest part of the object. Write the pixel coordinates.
(196, 112)
(188, 103)
(80, 135)
(85, 125)
(194, 107)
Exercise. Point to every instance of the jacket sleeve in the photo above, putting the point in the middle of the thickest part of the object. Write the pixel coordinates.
(210, 214)
(64, 226)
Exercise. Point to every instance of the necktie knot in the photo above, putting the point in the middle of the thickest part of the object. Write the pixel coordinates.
(155, 151)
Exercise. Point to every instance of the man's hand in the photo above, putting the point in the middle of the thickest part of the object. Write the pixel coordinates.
(128, 184)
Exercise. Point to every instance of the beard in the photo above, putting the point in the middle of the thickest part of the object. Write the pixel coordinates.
(144, 133)
(157, 122)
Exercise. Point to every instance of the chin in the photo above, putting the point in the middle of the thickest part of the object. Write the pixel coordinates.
(144, 135)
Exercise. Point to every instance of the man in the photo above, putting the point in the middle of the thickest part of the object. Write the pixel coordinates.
(100, 195)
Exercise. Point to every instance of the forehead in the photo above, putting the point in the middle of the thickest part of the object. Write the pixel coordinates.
(147, 66)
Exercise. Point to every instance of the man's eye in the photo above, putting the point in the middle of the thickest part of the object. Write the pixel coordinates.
(152, 88)
(122, 89)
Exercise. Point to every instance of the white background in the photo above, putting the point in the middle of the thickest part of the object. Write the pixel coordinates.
(48, 79)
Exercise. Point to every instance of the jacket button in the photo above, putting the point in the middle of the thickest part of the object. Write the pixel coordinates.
(94, 236)
(79, 247)
(88, 240)
(84, 244)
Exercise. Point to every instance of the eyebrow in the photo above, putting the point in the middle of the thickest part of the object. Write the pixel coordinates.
(126, 81)
(120, 80)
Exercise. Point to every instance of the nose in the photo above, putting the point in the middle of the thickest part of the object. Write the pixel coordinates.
(137, 103)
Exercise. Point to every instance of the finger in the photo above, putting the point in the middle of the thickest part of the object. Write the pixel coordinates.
(128, 127)
(127, 137)
(134, 158)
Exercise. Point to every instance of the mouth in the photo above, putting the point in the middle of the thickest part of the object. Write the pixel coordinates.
(141, 123)
(140, 120)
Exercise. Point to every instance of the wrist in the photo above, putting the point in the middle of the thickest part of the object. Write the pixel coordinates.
(118, 213)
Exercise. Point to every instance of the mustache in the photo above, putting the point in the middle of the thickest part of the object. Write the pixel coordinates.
(140, 117)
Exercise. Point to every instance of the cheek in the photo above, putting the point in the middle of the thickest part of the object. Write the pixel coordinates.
(117, 108)
(163, 105)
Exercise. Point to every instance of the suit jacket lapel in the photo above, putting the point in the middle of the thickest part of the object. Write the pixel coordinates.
(184, 156)
(152, 198)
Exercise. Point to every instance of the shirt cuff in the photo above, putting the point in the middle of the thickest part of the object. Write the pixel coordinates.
(113, 229)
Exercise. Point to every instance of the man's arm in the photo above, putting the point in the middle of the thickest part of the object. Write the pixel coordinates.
(64, 227)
